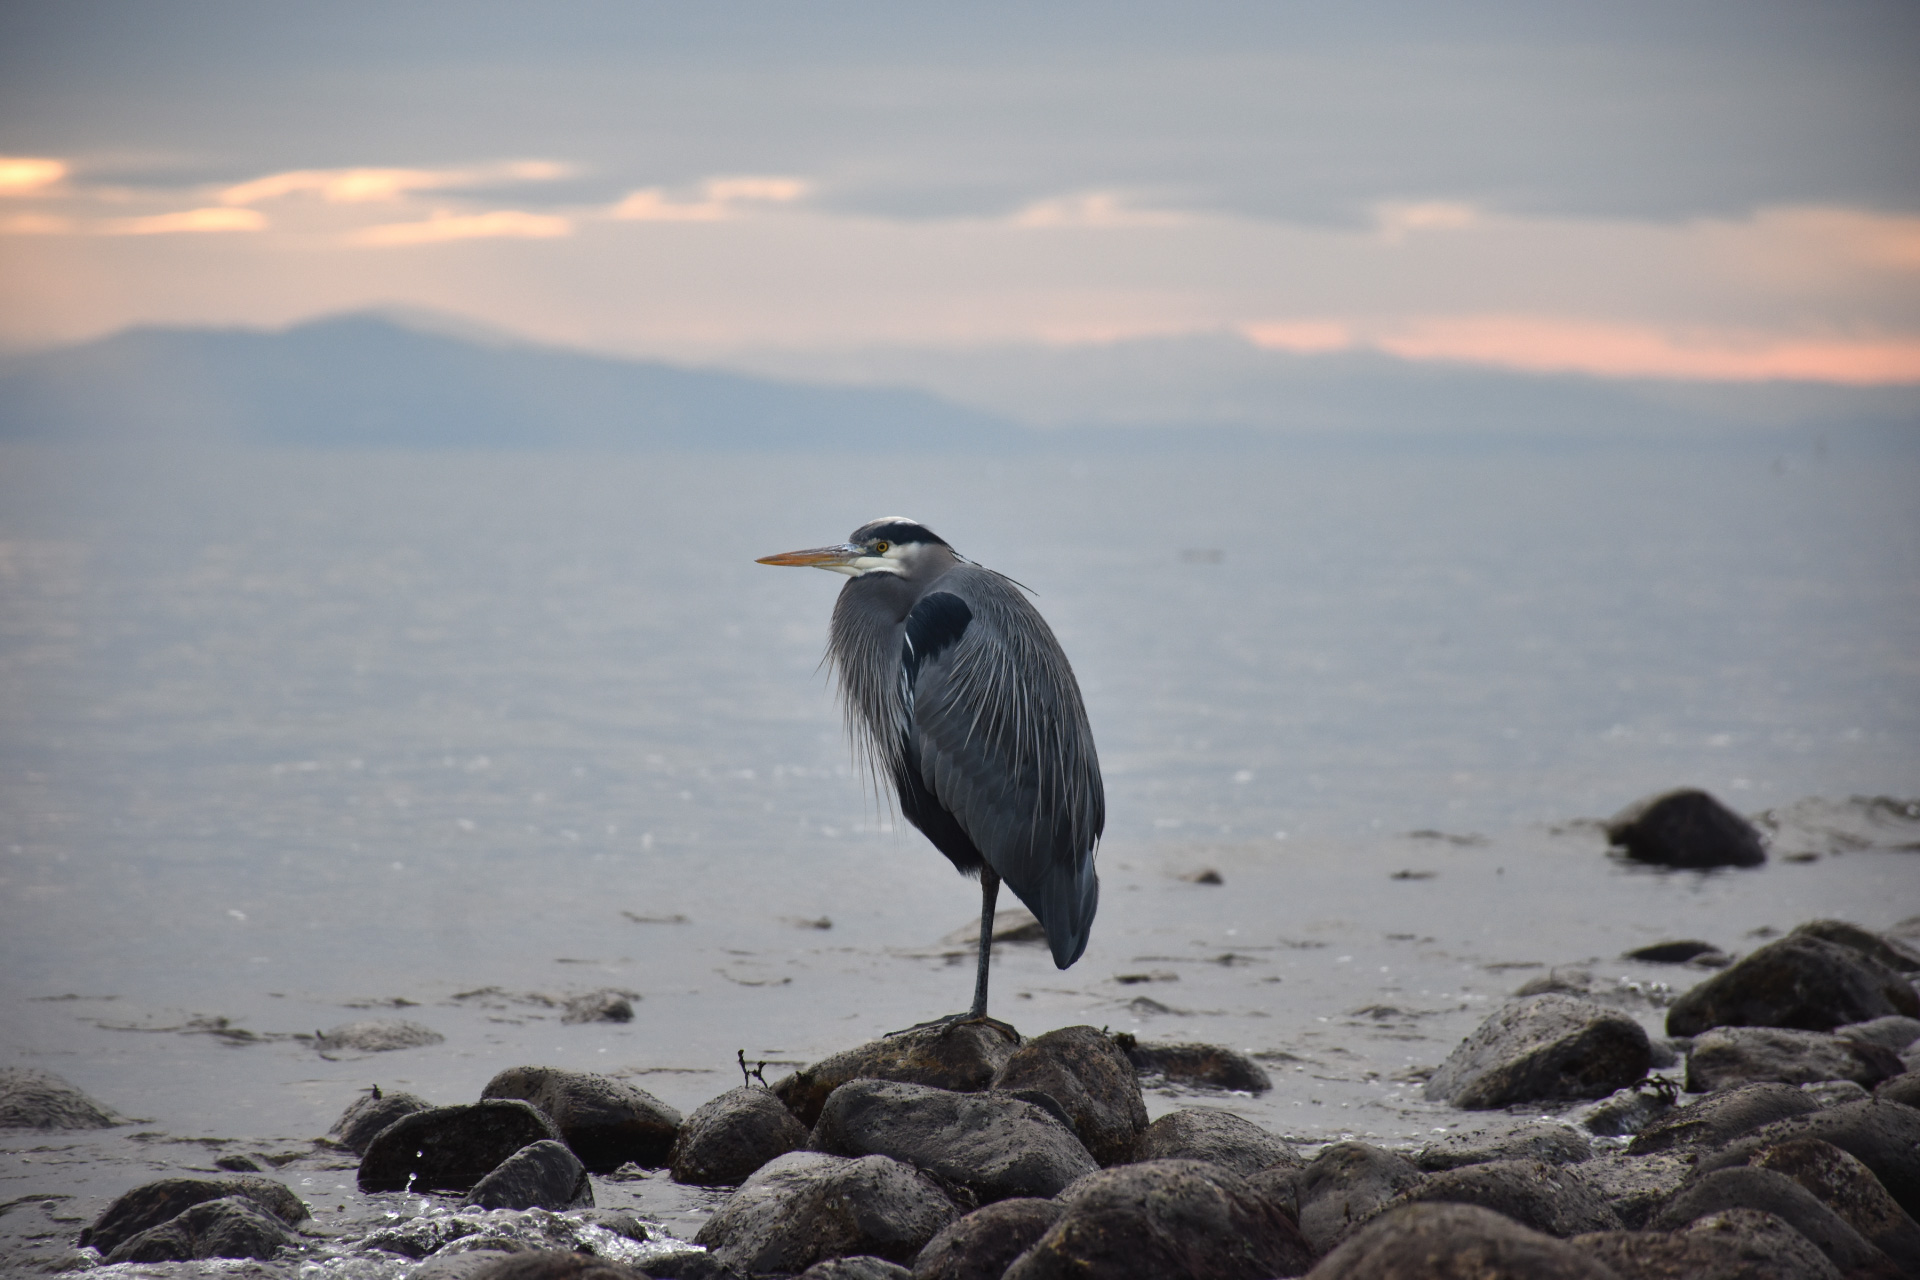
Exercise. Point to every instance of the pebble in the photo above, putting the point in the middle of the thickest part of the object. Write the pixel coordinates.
(541, 1175)
(1740, 1244)
(362, 1121)
(1346, 1184)
(807, 1206)
(728, 1137)
(450, 1148)
(1544, 1047)
(984, 1243)
(958, 1056)
(1746, 1187)
(376, 1035)
(31, 1099)
(1552, 1143)
(1796, 981)
(607, 1122)
(1455, 1242)
(1225, 1139)
(1556, 1199)
(1689, 951)
(1686, 828)
(1728, 1056)
(600, 1006)
(1093, 1081)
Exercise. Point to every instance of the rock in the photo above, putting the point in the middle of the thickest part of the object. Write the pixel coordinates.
(1903, 1088)
(1795, 981)
(541, 1175)
(1740, 1244)
(1555, 1199)
(806, 1206)
(376, 1035)
(1206, 1065)
(687, 1264)
(1893, 1032)
(1728, 1056)
(728, 1137)
(1454, 1242)
(1637, 1187)
(600, 1006)
(1891, 952)
(240, 1162)
(1165, 1218)
(153, 1203)
(1686, 828)
(551, 1264)
(1721, 1117)
(1346, 1184)
(1542, 1048)
(995, 1145)
(462, 1264)
(1552, 1143)
(450, 1148)
(1279, 1186)
(1195, 1133)
(983, 1244)
(1775, 1193)
(957, 1056)
(858, 1268)
(1849, 1188)
(230, 1227)
(1831, 1093)
(1090, 1077)
(1673, 952)
(368, 1114)
(31, 1099)
(1884, 1136)
(1625, 1112)
(607, 1122)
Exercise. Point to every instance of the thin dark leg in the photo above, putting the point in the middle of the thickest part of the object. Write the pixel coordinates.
(989, 892)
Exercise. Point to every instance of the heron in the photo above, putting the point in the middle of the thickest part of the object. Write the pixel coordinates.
(956, 692)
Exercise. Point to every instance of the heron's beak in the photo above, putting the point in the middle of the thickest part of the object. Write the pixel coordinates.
(834, 557)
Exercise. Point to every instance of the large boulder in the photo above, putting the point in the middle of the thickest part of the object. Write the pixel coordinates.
(1884, 1136)
(1091, 1079)
(963, 1057)
(1553, 1143)
(541, 1175)
(546, 1264)
(1739, 1244)
(1849, 1188)
(1891, 1032)
(1686, 828)
(1202, 1133)
(982, 1245)
(371, 1112)
(31, 1099)
(607, 1122)
(1727, 1056)
(450, 1148)
(1796, 981)
(993, 1144)
(1555, 1199)
(153, 1203)
(1721, 1117)
(807, 1206)
(1454, 1242)
(230, 1227)
(1165, 1218)
(863, 1267)
(1346, 1184)
(1891, 952)
(1540, 1049)
(1770, 1192)
(1209, 1066)
(1903, 1088)
(1637, 1187)
(728, 1137)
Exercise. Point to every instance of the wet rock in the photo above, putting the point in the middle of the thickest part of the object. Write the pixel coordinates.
(963, 1058)
(1346, 1184)
(806, 1206)
(1775, 1193)
(541, 1175)
(688, 1264)
(1728, 1056)
(1884, 1136)
(240, 1162)
(1688, 951)
(1454, 1242)
(376, 1035)
(1208, 1066)
(1555, 1199)
(600, 1006)
(1624, 1112)
(450, 1148)
(1903, 1088)
(1165, 1218)
(154, 1203)
(1090, 1077)
(1686, 828)
(1542, 1048)
(607, 1122)
(728, 1137)
(550, 1264)
(1740, 1244)
(1637, 1187)
(462, 1264)
(1797, 981)
(1279, 1186)
(983, 1244)
(1891, 952)
(1893, 1032)
(994, 1145)
(230, 1227)
(1719, 1118)
(1849, 1188)
(1551, 1143)
(1831, 1093)
(1196, 1133)
(858, 1268)
(363, 1120)
(31, 1099)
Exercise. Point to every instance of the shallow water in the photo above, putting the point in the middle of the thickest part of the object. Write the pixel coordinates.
(290, 739)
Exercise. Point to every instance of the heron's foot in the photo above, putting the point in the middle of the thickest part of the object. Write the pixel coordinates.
(968, 1019)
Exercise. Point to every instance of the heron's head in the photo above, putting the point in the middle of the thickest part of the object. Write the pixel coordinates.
(891, 544)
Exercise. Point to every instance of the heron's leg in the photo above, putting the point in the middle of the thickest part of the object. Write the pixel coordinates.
(989, 893)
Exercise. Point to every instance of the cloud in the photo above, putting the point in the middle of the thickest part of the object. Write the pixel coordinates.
(509, 224)
(190, 220)
(35, 224)
(1098, 209)
(1301, 337)
(1396, 221)
(720, 199)
(364, 186)
(29, 175)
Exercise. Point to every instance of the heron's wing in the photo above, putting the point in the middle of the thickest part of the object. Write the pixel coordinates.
(997, 732)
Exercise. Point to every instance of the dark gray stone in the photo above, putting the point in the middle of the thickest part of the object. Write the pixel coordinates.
(1770, 1192)
(1884, 1136)
(450, 1148)
(1672, 952)
(376, 1035)
(1555, 1199)
(153, 1203)
(1093, 1081)
(240, 1162)
(551, 1264)
(1725, 1057)
(1543, 1048)
(1891, 952)
(1893, 1032)
(1903, 1088)
(1848, 1188)
(607, 1122)
(1197, 1133)
(1163, 1218)
(1740, 1244)
(962, 1057)
(689, 1264)
(230, 1227)
(1831, 1093)
(463, 1264)
(728, 1137)
(1721, 1117)
(1346, 1184)
(1454, 1242)
(1686, 828)
(368, 1114)
(1552, 1143)
(541, 1175)
(1624, 1112)
(858, 1268)
(600, 1006)
(994, 1145)
(983, 1244)
(806, 1206)
(1207, 1066)
(31, 1099)
(1637, 1187)
(1796, 981)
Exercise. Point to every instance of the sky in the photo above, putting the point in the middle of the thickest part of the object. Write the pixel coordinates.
(1686, 189)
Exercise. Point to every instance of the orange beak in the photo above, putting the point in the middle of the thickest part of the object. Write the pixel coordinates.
(817, 557)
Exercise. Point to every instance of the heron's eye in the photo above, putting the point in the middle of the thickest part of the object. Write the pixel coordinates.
(879, 548)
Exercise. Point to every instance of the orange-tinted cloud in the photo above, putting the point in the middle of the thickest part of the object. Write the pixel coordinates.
(364, 186)
(443, 226)
(29, 175)
(1302, 337)
(189, 220)
(720, 199)
(1096, 209)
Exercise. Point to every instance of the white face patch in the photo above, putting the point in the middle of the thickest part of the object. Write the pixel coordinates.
(896, 559)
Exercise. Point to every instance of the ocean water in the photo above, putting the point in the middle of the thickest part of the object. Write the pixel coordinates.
(288, 739)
